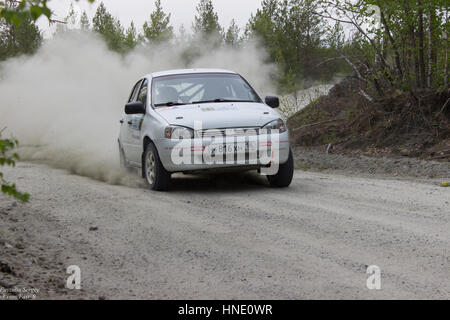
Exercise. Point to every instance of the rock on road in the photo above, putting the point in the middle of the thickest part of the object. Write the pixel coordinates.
(232, 237)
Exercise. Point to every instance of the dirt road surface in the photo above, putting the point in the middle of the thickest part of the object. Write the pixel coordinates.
(231, 237)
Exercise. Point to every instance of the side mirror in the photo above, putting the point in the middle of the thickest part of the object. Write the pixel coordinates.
(273, 102)
(135, 108)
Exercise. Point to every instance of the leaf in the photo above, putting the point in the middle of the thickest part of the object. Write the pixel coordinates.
(35, 12)
(16, 20)
(5, 146)
(47, 12)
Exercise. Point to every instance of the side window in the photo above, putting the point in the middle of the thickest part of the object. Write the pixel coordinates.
(134, 92)
(143, 93)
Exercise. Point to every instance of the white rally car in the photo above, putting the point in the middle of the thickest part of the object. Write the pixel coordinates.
(202, 120)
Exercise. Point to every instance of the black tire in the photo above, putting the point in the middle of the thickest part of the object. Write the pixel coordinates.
(158, 178)
(285, 173)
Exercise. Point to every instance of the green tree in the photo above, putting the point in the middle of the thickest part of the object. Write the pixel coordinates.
(263, 25)
(131, 37)
(183, 37)
(109, 28)
(71, 18)
(69, 22)
(335, 45)
(24, 38)
(158, 29)
(403, 44)
(308, 30)
(293, 36)
(84, 22)
(232, 36)
(206, 21)
(335, 37)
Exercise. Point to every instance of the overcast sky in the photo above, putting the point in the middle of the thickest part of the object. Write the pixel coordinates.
(182, 11)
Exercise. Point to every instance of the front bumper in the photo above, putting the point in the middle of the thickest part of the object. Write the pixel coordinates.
(195, 154)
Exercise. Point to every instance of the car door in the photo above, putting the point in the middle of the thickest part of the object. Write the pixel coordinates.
(125, 132)
(135, 125)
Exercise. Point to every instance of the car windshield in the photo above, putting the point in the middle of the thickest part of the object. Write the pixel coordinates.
(201, 88)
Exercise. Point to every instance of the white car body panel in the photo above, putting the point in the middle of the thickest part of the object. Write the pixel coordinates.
(220, 115)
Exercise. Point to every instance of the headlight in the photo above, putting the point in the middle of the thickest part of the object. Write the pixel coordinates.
(276, 125)
(175, 132)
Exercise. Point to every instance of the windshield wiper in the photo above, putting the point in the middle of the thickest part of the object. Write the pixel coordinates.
(220, 100)
(169, 104)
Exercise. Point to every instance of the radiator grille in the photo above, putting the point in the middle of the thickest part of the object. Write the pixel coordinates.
(229, 132)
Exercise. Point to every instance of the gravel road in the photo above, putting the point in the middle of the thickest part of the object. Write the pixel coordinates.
(232, 237)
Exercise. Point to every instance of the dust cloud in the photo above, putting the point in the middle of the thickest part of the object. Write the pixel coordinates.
(64, 103)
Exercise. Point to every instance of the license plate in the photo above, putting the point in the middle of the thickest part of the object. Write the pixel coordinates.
(248, 146)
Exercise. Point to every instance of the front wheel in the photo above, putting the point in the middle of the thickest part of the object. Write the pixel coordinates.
(285, 173)
(157, 177)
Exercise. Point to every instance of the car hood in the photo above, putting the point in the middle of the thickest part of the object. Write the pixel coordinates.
(220, 115)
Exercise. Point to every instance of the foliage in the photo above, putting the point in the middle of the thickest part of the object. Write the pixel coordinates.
(388, 45)
(17, 11)
(25, 38)
(232, 36)
(159, 28)
(8, 159)
(84, 22)
(206, 21)
(131, 37)
(295, 39)
(109, 28)
(402, 45)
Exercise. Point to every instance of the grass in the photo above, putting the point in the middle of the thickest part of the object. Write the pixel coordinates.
(303, 166)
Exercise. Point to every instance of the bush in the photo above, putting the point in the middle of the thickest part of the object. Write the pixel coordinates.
(6, 158)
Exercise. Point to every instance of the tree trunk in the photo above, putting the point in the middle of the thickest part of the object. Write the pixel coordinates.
(421, 46)
(413, 43)
(430, 46)
(394, 44)
(446, 51)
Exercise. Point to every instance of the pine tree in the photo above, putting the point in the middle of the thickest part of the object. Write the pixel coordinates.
(263, 26)
(109, 28)
(131, 37)
(206, 21)
(158, 29)
(25, 38)
(183, 37)
(70, 21)
(71, 18)
(293, 36)
(84, 22)
(232, 37)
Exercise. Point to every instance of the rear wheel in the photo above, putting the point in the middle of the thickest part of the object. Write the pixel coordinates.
(157, 177)
(285, 173)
